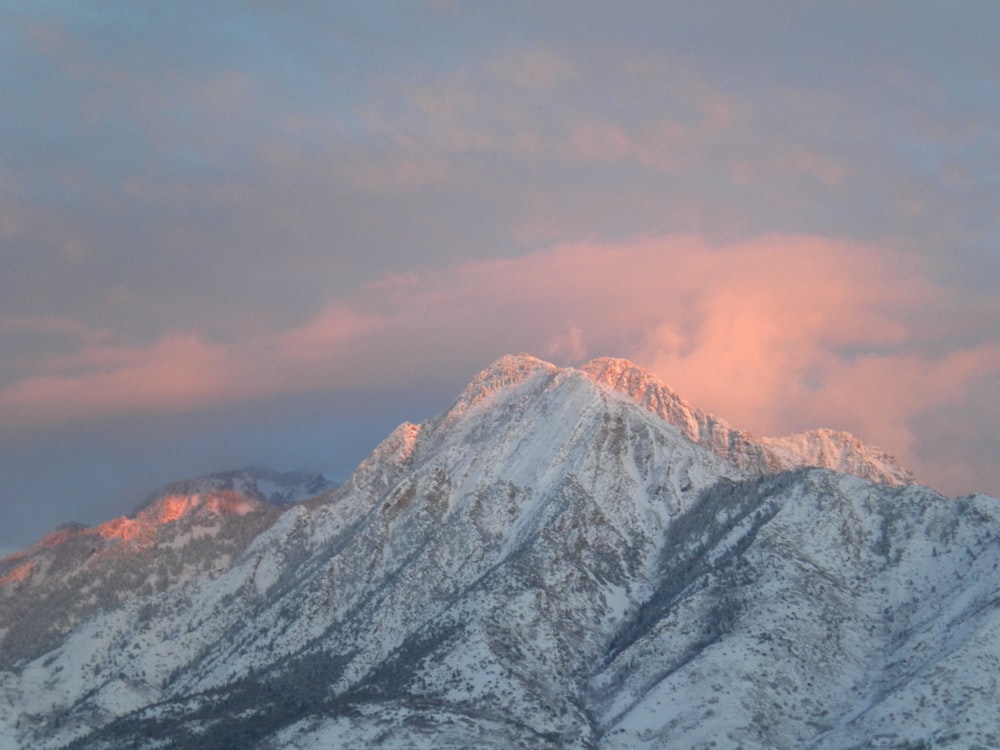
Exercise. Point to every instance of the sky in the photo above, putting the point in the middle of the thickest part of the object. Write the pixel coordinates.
(247, 232)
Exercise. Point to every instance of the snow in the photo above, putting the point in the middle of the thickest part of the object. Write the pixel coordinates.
(554, 562)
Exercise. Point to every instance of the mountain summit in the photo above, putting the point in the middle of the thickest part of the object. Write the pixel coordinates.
(566, 558)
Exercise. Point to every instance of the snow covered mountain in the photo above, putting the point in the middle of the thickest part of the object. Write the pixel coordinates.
(254, 483)
(566, 558)
(187, 529)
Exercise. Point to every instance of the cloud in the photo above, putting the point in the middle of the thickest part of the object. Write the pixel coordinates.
(174, 372)
(568, 346)
(885, 395)
(179, 372)
(776, 334)
(237, 183)
(260, 243)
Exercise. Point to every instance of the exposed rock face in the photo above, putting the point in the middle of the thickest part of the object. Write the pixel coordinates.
(565, 558)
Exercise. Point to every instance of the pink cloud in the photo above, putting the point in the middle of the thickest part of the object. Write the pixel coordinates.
(777, 334)
(179, 372)
(880, 395)
(173, 372)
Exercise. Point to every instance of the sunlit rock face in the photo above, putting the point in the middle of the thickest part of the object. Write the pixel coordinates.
(187, 530)
(564, 558)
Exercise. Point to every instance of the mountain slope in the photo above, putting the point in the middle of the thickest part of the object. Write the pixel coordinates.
(552, 563)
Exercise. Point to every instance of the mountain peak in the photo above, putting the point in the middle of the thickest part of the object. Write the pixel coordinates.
(225, 493)
(821, 448)
(510, 370)
(648, 391)
(627, 377)
(255, 483)
(605, 366)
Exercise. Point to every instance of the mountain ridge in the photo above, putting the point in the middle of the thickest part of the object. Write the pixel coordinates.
(549, 563)
(822, 448)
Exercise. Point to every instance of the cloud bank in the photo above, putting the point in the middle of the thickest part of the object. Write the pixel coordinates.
(776, 334)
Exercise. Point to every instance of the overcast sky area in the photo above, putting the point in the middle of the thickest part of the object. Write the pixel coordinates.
(239, 232)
